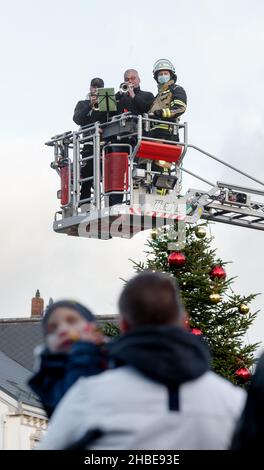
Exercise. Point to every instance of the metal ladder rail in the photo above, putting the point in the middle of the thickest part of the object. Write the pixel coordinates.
(241, 222)
(82, 139)
(240, 215)
(218, 211)
(226, 164)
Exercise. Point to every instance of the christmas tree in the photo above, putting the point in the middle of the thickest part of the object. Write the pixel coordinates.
(215, 311)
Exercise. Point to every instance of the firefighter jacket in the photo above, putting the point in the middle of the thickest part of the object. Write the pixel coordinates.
(172, 100)
(140, 104)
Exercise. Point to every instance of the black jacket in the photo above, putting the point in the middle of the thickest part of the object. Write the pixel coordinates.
(168, 354)
(59, 371)
(140, 104)
(249, 435)
(85, 115)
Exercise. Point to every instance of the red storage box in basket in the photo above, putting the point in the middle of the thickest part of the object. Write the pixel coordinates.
(116, 171)
(159, 151)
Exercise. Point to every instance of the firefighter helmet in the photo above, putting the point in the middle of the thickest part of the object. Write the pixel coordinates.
(163, 64)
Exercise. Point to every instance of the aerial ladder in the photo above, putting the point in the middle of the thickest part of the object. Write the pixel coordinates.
(123, 156)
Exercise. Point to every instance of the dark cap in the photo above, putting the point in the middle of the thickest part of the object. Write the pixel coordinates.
(97, 82)
(72, 304)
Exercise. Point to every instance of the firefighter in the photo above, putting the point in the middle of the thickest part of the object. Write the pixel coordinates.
(86, 112)
(170, 102)
(168, 105)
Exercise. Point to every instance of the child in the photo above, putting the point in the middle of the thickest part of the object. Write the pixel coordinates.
(73, 349)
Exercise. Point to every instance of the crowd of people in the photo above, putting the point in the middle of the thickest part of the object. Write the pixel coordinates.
(150, 388)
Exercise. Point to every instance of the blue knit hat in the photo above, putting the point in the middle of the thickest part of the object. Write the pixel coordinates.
(81, 309)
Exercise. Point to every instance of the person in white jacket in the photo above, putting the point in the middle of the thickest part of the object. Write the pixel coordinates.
(161, 393)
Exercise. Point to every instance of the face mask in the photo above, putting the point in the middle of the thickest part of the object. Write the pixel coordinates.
(163, 79)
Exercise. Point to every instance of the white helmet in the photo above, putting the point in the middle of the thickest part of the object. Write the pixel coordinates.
(163, 64)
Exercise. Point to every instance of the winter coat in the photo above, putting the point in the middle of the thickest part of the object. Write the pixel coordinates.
(59, 371)
(140, 104)
(84, 114)
(162, 396)
(249, 434)
(171, 99)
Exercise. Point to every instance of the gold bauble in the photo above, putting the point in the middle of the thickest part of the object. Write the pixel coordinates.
(200, 232)
(243, 308)
(154, 234)
(215, 298)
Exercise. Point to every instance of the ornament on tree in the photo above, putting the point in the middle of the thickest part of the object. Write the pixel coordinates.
(217, 272)
(154, 234)
(196, 332)
(215, 298)
(176, 258)
(200, 231)
(187, 323)
(243, 373)
(243, 308)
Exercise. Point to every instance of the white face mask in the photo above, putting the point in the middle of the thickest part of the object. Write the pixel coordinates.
(163, 79)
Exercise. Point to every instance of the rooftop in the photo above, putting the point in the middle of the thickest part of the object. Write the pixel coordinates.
(13, 381)
(20, 336)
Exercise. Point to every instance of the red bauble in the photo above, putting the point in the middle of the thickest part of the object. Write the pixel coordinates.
(176, 258)
(196, 332)
(243, 374)
(218, 272)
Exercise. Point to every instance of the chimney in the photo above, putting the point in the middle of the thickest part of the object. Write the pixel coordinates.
(37, 305)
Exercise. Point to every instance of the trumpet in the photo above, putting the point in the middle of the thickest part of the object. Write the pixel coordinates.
(124, 87)
(95, 105)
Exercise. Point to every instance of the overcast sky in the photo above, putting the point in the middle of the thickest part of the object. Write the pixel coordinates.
(50, 50)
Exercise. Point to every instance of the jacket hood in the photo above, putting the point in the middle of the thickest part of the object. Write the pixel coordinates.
(167, 354)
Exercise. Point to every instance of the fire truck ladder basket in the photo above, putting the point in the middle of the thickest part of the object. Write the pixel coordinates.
(136, 182)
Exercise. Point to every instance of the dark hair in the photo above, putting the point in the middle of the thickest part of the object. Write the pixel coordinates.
(97, 82)
(72, 304)
(151, 298)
